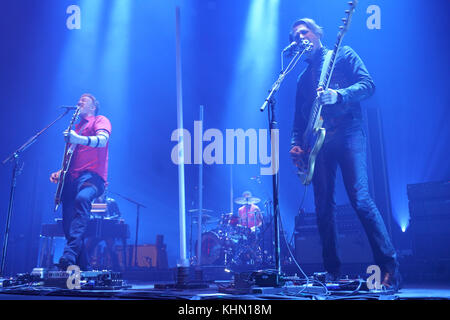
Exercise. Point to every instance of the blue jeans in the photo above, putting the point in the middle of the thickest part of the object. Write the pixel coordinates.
(77, 200)
(346, 147)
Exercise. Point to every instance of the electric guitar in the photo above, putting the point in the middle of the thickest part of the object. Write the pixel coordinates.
(314, 134)
(67, 158)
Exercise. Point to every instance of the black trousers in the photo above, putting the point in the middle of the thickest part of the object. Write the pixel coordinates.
(77, 200)
(347, 148)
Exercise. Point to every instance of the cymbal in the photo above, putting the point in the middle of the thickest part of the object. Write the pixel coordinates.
(205, 219)
(203, 210)
(250, 200)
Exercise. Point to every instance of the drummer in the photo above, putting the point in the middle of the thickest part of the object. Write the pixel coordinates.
(250, 214)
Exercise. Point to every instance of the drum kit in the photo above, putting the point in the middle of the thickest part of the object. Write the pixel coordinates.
(230, 240)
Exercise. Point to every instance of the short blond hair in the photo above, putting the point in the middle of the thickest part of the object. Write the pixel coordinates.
(94, 100)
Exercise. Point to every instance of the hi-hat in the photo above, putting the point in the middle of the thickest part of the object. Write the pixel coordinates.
(247, 200)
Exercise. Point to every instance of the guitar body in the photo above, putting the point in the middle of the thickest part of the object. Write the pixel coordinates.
(62, 177)
(314, 134)
(308, 161)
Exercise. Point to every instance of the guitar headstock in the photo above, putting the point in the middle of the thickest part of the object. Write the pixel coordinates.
(347, 20)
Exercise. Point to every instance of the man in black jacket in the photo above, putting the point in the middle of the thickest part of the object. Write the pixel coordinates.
(344, 145)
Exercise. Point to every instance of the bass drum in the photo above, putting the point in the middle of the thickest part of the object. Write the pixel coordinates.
(212, 249)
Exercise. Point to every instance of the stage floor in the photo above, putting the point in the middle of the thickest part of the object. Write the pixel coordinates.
(147, 291)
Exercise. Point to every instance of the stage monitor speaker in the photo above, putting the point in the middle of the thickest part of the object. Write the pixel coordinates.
(428, 191)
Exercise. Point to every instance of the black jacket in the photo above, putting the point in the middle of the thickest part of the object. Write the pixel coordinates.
(350, 79)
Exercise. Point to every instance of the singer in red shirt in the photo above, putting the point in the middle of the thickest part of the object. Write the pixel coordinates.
(86, 179)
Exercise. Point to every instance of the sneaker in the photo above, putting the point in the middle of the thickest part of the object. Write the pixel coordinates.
(391, 281)
(332, 277)
(327, 277)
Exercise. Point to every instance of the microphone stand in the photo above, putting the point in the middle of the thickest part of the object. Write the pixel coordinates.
(273, 125)
(17, 169)
(138, 206)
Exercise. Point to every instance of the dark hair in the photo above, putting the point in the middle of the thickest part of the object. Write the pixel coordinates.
(310, 24)
(94, 100)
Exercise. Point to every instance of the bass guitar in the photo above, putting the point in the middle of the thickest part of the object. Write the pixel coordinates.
(314, 135)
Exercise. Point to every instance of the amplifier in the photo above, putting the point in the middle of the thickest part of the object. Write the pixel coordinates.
(353, 248)
(352, 240)
(429, 208)
(148, 256)
(429, 190)
(431, 247)
(434, 209)
(346, 220)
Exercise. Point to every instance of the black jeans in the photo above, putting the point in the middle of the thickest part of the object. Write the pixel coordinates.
(347, 148)
(77, 200)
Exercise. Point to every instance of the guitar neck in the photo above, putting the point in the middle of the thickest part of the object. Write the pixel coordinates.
(315, 113)
(337, 46)
(332, 64)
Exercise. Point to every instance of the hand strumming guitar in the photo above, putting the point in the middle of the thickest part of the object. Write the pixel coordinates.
(296, 154)
(54, 177)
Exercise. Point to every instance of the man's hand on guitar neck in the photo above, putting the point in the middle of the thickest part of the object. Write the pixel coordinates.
(54, 177)
(329, 96)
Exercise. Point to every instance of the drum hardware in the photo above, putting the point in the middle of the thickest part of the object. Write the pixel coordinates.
(227, 241)
(207, 219)
(231, 244)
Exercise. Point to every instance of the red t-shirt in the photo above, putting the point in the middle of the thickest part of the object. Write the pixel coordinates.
(88, 158)
(250, 213)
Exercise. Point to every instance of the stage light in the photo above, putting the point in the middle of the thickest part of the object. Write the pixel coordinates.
(77, 67)
(114, 62)
(404, 222)
(256, 66)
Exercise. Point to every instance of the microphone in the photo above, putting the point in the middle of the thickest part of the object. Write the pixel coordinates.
(292, 45)
(306, 44)
(69, 107)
